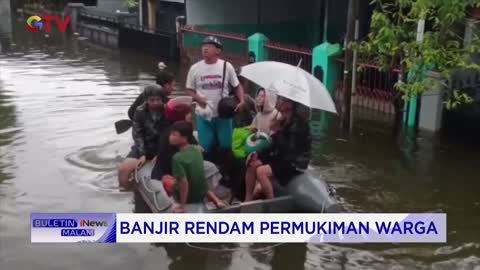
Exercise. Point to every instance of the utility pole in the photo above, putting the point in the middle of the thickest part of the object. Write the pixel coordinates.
(354, 76)
(140, 13)
(347, 69)
(325, 21)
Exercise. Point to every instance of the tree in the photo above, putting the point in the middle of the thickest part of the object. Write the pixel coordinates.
(130, 3)
(392, 42)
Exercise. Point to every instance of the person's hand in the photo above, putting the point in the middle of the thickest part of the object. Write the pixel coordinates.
(126, 187)
(240, 106)
(141, 161)
(275, 125)
(179, 209)
(202, 102)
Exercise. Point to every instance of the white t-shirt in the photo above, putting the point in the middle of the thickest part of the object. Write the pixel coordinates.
(206, 80)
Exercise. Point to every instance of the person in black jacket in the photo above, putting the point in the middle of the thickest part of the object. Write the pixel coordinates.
(149, 121)
(166, 80)
(287, 156)
(165, 151)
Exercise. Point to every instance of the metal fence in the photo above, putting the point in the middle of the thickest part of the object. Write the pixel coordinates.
(235, 45)
(467, 81)
(290, 54)
(98, 15)
(375, 88)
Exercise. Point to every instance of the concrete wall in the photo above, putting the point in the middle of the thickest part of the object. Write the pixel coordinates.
(5, 18)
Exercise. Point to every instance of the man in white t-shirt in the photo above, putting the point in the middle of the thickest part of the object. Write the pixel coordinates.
(204, 84)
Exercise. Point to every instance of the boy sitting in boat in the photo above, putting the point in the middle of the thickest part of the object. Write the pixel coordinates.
(148, 121)
(188, 169)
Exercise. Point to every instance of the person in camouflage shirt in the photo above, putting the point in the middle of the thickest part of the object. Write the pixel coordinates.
(149, 122)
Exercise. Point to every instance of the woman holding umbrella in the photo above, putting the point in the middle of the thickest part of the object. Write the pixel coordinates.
(290, 152)
(288, 155)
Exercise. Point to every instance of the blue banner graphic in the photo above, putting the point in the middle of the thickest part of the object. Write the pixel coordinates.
(73, 227)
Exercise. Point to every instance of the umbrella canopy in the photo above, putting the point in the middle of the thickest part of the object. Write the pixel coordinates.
(290, 82)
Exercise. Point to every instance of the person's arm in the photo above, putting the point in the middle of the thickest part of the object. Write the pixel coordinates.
(301, 146)
(183, 185)
(179, 173)
(191, 86)
(237, 86)
(139, 101)
(200, 100)
(213, 198)
(240, 93)
(138, 131)
(268, 151)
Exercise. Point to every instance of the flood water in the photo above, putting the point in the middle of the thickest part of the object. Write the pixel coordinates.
(59, 98)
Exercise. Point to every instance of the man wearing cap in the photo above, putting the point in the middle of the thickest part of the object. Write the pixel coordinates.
(204, 84)
(148, 122)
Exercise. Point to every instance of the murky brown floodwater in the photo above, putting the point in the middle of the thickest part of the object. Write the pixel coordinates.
(59, 98)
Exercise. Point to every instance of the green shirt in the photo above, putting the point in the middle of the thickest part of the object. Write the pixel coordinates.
(188, 163)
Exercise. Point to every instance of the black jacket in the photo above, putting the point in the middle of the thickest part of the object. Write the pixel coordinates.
(165, 153)
(292, 145)
(146, 130)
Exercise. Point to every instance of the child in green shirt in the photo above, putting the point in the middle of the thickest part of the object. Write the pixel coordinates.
(188, 169)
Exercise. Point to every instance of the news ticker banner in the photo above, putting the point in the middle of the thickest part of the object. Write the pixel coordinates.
(238, 228)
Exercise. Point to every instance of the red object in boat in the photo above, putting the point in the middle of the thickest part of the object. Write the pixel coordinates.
(168, 182)
(177, 111)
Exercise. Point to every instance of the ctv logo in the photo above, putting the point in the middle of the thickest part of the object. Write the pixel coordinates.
(92, 223)
(37, 23)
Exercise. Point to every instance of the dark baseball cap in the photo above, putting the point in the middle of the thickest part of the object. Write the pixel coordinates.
(214, 41)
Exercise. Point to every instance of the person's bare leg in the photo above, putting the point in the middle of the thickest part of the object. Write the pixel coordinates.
(264, 176)
(213, 198)
(124, 171)
(257, 191)
(250, 181)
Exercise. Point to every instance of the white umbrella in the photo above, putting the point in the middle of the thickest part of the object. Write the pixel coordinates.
(291, 82)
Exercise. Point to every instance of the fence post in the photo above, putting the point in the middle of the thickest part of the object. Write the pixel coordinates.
(256, 46)
(74, 13)
(431, 109)
(324, 57)
(324, 68)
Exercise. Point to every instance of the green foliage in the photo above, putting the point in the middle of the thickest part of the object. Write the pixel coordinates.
(130, 3)
(392, 42)
(457, 99)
